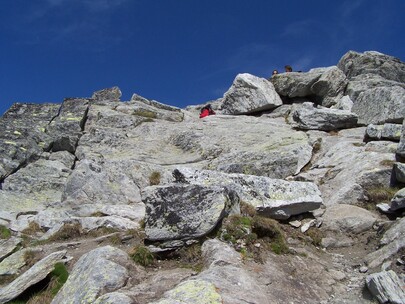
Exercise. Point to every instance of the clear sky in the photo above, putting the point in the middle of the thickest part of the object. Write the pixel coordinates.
(179, 52)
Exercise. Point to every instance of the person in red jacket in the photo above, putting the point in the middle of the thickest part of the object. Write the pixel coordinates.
(207, 110)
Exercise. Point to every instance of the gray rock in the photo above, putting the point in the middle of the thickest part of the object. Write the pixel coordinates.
(98, 272)
(345, 103)
(111, 94)
(8, 246)
(66, 128)
(392, 241)
(385, 132)
(391, 68)
(398, 201)
(192, 291)
(401, 146)
(35, 274)
(399, 169)
(180, 211)
(386, 287)
(12, 264)
(233, 283)
(113, 298)
(295, 84)
(330, 86)
(274, 198)
(307, 117)
(395, 232)
(380, 105)
(348, 219)
(249, 94)
(23, 136)
(365, 82)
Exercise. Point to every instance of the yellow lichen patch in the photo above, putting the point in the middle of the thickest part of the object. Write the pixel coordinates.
(195, 291)
(23, 149)
(10, 143)
(17, 133)
(73, 119)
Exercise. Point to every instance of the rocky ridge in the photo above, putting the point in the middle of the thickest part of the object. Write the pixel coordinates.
(313, 161)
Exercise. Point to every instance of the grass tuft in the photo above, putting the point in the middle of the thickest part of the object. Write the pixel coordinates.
(154, 178)
(5, 233)
(141, 255)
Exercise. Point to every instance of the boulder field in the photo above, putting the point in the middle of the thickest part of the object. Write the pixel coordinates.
(292, 193)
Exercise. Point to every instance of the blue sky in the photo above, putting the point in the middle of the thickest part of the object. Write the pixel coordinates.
(179, 52)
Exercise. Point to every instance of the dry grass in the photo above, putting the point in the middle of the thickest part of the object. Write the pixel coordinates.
(247, 209)
(68, 231)
(154, 178)
(31, 257)
(32, 229)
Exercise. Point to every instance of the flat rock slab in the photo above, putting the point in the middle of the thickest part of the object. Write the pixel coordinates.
(274, 198)
(35, 274)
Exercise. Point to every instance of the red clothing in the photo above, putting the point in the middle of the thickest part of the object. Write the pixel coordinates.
(205, 112)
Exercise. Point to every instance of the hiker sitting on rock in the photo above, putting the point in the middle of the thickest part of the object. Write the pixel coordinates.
(207, 110)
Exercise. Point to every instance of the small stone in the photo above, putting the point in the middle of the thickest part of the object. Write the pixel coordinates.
(295, 224)
(363, 269)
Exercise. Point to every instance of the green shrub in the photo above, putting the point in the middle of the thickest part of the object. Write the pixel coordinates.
(154, 178)
(142, 255)
(5, 233)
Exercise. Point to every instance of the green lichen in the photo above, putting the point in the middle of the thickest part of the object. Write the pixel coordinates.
(196, 291)
(17, 133)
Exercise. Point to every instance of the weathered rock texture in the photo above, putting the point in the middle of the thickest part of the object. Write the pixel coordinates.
(316, 148)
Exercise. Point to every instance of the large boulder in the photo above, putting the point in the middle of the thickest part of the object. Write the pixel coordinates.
(387, 287)
(98, 272)
(182, 211)
(249, 94)
(307, 117)
(380, 105)
(325, 86)
(398, 201)
(348, 219)
(274, 198)
(371, 62)
(224, 280)
(384, 132)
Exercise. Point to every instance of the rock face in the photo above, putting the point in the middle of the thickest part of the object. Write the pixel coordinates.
(249, 94)
(98, 178)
